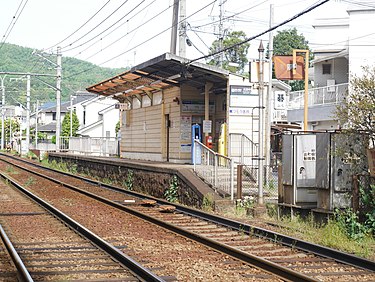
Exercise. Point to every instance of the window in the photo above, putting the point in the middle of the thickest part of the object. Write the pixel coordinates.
(326, 68)
(53, 116)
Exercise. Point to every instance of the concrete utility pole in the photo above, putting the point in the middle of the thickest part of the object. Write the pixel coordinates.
(174, 27)
(221, 32)
(182, 33)
(261, 122)
(58, 98)
(28, 87)
(2, 111)
(269, 99)
(36, 124)
(71, 115)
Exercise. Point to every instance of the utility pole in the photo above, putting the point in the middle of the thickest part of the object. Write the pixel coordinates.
(269, 108)
(27, 112)
(261, 121)
(182, 32)
(58, 98)
(221, 32)
(71, 115)
(36, 124)
(2, 111)
(174, 27)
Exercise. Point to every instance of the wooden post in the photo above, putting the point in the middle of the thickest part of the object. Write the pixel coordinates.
(239, 181)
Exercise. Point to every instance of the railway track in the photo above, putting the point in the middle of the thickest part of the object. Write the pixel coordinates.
(244, 242)
(48, 249)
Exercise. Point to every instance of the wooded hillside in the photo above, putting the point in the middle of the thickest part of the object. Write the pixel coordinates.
(76, 75)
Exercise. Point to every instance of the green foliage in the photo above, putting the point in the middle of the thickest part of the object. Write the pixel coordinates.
(208, 202)
(246, 202)
(77, 74)
(356, 112)
(117, 128)
(30, 181)
(129, 180)
(66, 125)
(349, 222)
(9, 124)
(65, 167)
(283, 44)
(53, 139)
(236, 55)
(171, 194)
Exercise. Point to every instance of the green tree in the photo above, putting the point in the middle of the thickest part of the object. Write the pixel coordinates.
(117, 128)
(237, 55)
(10, 125)
(283, 44)
(66, 124)
(357, 112)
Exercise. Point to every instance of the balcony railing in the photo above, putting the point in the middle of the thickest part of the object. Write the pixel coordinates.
(318, 96)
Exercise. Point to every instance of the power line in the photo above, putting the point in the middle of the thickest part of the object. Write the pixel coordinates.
(74, 32)
(107, 28)
(264, 32)
(115, 57)
(12, 24)
(136, 28)
(117, 9)
(148, 6)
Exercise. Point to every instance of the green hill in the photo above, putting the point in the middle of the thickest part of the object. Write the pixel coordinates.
(76, 75)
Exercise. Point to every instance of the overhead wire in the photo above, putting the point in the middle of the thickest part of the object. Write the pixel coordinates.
(12, 24)
(134, 29)
(147, 40)
(79, 28)
(95, 27)
(312, 7)
(149, 5)
(87, 41)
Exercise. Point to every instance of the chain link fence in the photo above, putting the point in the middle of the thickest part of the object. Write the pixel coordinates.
(247, 182)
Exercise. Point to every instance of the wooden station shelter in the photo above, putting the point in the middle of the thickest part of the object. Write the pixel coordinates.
(162, 98)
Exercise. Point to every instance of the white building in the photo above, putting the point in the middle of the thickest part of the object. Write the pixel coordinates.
(98, 117)
(347, 47)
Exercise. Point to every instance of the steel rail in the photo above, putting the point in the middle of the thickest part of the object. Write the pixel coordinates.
(22, 273)
(276, 269)
(141, 272)
(235, 225)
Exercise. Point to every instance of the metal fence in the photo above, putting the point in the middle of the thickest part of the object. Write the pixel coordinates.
(96, 146)
(215, 169)
(242, 149)
(318, 96)
(248, 182)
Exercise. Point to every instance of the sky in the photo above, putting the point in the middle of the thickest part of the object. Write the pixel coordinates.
(120, 33)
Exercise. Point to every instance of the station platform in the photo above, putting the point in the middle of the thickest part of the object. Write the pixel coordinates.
(149, 177)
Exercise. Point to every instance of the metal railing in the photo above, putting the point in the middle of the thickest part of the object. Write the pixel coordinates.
(242, 149)
(214, 168)
(318, 96)
(96, 146)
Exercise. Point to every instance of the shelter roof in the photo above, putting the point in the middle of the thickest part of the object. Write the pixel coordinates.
(162, 72)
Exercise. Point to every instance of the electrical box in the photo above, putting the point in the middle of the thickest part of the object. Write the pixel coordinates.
(299, 170)
(333, 180)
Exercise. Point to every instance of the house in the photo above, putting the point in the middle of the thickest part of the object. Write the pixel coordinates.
(167, 101)
(97, 116)
(347, 46)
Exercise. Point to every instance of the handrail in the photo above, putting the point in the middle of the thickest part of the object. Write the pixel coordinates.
(215, 166)
(21, 268)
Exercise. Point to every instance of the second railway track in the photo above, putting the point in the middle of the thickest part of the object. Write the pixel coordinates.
(308, 264)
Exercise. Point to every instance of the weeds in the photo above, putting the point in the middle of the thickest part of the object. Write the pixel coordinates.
(129, 180)
(208, 202)
(171, 194)
(30, 181)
